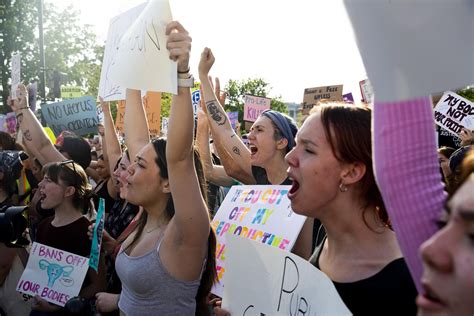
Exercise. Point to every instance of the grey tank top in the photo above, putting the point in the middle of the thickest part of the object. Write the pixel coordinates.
(148, 289)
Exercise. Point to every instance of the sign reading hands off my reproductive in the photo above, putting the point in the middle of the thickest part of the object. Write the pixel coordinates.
(263, 280)
(414, 48)
(54, 275)
(142, 60)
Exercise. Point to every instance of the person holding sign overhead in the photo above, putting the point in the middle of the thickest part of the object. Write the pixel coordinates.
(167, 264)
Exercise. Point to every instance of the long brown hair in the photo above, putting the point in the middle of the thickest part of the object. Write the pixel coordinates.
(209, 274)
(347, 129)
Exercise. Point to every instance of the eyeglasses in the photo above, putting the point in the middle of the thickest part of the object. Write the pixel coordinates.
(65, 162)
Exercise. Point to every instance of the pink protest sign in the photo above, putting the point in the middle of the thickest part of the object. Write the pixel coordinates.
(53, 274)
(254, 106)
(259, 212)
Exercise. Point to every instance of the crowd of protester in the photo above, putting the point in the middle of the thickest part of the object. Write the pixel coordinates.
(373, 201)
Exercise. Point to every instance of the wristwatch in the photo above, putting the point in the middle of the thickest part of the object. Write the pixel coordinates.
(186, 82)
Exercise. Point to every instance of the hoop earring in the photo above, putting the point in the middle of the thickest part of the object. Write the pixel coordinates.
(342, 187)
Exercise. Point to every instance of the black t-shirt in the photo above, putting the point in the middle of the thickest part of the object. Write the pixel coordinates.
(102, 192)
(390, 291)
(260, 176)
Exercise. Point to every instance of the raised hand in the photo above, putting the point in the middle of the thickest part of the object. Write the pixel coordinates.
(21, 101)
(206, 62)
(179, 45)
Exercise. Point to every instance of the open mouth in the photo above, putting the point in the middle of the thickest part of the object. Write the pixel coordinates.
(253, 149)
(294, 188)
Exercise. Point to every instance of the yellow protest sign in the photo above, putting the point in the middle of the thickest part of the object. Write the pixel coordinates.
(71, 92)
(152, 105)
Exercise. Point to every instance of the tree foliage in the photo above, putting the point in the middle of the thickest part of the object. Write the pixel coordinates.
(70, 47)
(258, 87)
(467, 93)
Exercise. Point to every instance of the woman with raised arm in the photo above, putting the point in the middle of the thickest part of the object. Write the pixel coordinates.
(167, 265)
(271, 137)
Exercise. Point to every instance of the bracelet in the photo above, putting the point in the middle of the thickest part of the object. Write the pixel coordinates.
(184, 72)
(24, 108)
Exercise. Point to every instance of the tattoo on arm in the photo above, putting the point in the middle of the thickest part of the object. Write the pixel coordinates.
(27, 135)
(215, 112)
(19, 118)
(233, 135)
(236, 150)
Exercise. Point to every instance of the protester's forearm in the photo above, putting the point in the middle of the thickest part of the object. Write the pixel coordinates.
(410, 184)
(135, 123)
(112, 150)
(180, 140)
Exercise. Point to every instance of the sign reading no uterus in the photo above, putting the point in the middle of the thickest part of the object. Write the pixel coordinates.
(260, 212)
(254, 106)
(266, 281)
(54, 275)
(75, 115)
(142, 60)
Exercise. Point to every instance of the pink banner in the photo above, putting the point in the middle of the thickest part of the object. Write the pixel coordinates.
(254, 106)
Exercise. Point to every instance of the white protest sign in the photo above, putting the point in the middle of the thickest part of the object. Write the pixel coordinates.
(453, 113)
(366, 91)
(142, 60)
(53, 274)
(164, 126)
(413, 48)
(16, 73)
(258, 212)
(254, 106)
(109, 89)
(263, 280)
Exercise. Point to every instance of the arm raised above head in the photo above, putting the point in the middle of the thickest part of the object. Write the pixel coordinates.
(409, 179)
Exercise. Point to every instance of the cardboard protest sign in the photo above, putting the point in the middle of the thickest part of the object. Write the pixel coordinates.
(233, 118)
(109, 89)
(10, 120)
(15, 73)
(348, 98)
(152, 104)
(97, 237)
(264, 280)
(453, 113)
(142, 60)
(312, 96)
(53, 274)
(254, 106)
(366, 91)
(75, 115)
(413, 48)
(258, 212)
(70, 92)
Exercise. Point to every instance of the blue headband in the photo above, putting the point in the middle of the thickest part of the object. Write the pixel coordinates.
(287, 129)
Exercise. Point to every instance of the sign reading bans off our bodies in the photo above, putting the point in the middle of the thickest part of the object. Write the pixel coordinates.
(53, 274)
(260, 212)
(453, 113)
(75, 115)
